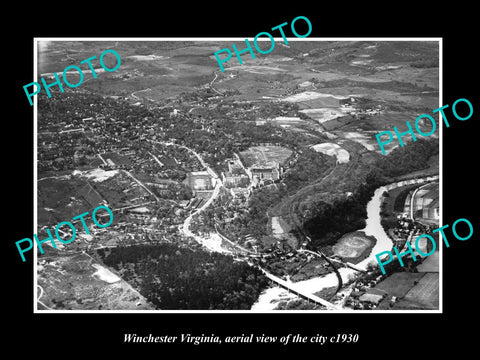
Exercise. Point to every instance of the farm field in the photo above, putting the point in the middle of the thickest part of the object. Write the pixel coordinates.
(80, 282)
(62, 199)
(336, 150)
(426, 291)
(413, 290)
(399, 284)
(265, 154)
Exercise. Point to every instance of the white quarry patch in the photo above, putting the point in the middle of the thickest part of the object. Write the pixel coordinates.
(388, 67)
(86, 237)
(305, 84)
(276, 226)
(146, 57)
(326, 114)
(256, 69)
(213, 243)
(105, 274)
(309, 95)
(360, 138)
(280, 58)
(361, 62)
(287, 118)
(270, 298)
(142, 209)
(332, 149)
(97, 175)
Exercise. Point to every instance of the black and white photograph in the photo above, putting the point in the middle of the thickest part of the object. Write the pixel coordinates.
(261, 187)
(202, 180)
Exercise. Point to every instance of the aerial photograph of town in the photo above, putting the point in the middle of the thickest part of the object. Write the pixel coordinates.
(260, 188)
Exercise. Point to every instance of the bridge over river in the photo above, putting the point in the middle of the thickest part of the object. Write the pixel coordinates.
(305, 295)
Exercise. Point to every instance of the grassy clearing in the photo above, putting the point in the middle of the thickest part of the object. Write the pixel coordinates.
(264, 154)
(354, 247)
(399, 284)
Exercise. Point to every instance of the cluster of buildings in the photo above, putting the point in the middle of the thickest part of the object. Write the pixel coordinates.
(261, 172)
(364, 295)
(236, 178)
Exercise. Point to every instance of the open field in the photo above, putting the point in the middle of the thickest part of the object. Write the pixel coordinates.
(264, 154)
(399, 284)
(354, 247)
(61, 199)
(79, 282)
(332, 149)
(167, 67)
(426, 291)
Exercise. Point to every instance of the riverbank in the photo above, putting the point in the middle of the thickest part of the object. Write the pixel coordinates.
(270, 298)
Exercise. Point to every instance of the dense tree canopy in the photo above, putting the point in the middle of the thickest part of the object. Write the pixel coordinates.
(173, 277)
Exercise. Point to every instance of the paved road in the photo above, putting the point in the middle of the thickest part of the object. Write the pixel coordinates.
(290, 286)
(40, 296)
(186, 224)
(210, 85)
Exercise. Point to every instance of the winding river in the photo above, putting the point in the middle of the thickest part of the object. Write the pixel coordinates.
(268, 300)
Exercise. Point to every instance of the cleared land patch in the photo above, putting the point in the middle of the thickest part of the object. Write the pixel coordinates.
(332, 149)
(426, 291)
(78, 282)
(354, 247)
(264, 154)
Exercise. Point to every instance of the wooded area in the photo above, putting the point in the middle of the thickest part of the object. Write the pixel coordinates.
(179, 278)
(331, 221)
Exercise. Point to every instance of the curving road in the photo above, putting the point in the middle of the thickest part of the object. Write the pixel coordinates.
(210, 85)
(135, 96)
(185, 228)
(412, 201)
(323, 256)
(40, 296)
